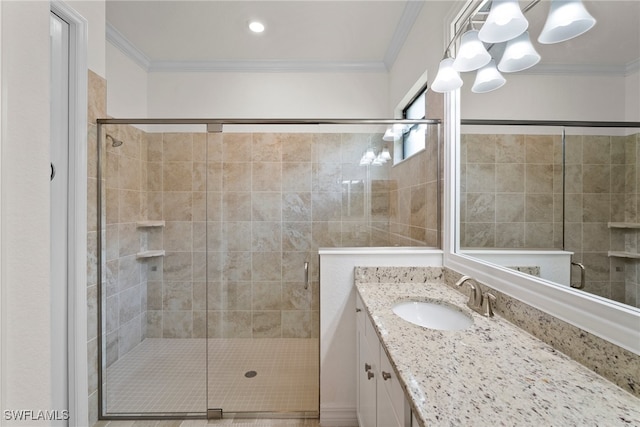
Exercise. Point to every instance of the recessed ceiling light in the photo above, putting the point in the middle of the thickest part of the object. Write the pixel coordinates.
(256, 26)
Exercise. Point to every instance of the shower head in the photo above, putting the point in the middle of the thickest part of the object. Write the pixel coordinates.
(114, 142)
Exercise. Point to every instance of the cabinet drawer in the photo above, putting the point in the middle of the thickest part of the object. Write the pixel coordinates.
(391, 384)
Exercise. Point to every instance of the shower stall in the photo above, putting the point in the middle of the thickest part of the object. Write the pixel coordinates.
(208, 298)
(552, 186)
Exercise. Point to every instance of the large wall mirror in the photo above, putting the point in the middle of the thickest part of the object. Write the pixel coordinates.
(546, 182)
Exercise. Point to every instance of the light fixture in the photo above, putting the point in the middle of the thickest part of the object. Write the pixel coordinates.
(369, 157)
(256, 26)
(505, 29)
(472, 53)
(518, 55)
(505, 21)
(488, 78)
(567, 19)
(370, 154)
(389, 135)
(385, 155)
(447, 78)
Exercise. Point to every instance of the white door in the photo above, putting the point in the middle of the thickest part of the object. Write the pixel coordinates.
(59, 155)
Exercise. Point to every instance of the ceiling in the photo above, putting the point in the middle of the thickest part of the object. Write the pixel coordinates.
(331, 35)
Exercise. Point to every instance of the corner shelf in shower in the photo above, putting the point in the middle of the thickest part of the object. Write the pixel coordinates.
(147, 224)
(149, 254)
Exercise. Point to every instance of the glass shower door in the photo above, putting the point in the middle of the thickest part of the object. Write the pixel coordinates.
(152, 268)
(262, 316)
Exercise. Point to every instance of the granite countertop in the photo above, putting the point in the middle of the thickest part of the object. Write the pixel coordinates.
(490, 374)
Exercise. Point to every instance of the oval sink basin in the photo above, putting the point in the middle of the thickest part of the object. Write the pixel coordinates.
(433, 315)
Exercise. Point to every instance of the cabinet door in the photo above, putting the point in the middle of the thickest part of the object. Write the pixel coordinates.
(366, 383)
(391, 384)
(387, 415)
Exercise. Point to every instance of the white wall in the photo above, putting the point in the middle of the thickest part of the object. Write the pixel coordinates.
(632, 90)
(547, 97)
(24, 252)
(422, 50)
(126, 85)
(268, 95)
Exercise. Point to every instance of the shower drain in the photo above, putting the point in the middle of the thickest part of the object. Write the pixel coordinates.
(250, 374)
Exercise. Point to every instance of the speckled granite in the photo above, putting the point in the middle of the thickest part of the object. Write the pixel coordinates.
(620, 366)
(490, 374)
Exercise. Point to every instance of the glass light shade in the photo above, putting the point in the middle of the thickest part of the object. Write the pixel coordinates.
(518, 55)
(385, 155)
(488, 78)
(505, 22)
(447, 78)
(389, 135)
(369, 154)
(472, 53)
(567, 19)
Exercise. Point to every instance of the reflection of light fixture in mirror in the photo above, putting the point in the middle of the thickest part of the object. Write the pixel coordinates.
(518, 55)
(567, 19)
(447, 78)
(385, 155)
(389, 135)
(505, 21)
(370, 158)
(488, 78)
(472, 53)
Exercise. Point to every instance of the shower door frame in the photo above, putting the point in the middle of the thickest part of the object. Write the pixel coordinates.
(213, 125)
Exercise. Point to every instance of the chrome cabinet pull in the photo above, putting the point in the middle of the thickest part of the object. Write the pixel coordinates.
(386, 375)
(367, 367)
(370, 375)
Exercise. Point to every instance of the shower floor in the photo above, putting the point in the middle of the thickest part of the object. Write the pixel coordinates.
(165, 375)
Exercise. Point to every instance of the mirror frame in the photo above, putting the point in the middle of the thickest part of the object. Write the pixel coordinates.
(614, 322)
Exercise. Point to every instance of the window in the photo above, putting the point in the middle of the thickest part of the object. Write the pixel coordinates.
(413, 137)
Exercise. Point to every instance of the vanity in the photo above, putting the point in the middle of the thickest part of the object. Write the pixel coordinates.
(487, 373)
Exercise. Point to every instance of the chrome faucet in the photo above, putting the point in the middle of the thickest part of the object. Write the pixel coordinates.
(479, 302)
(475, 297)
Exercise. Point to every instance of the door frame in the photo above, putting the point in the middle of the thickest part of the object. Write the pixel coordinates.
(77, 233)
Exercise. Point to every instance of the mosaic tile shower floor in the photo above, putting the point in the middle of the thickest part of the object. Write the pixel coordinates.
(169, 375)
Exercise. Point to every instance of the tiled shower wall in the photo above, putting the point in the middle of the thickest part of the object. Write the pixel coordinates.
(125, 281)
(511, 197)
(271, 201)
(259, 205)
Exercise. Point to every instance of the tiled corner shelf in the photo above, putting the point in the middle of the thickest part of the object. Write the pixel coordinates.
(623, 254)
(145, 224)
(628, 226)
(149, 254)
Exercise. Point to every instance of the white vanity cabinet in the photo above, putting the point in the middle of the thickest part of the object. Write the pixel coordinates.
(381, 401)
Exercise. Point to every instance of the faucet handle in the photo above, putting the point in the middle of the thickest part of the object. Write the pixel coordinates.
(475, 297)
(490, 298)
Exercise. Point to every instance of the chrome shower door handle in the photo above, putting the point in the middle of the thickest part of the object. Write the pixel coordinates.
(306, 275)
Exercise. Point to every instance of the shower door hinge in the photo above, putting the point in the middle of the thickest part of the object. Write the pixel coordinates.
(214, 414)
(214, 127)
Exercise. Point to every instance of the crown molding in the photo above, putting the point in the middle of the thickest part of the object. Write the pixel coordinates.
(268, 66)
(409, 16)
(117, 39)
(583, 69)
